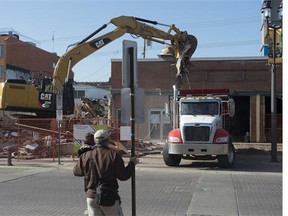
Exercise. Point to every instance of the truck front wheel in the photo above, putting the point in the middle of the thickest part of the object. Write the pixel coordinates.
(227, 161)
(170, 159)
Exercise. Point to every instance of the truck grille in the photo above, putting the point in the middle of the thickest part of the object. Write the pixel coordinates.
(197, 133)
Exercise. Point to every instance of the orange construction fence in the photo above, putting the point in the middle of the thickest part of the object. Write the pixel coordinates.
(41, 137)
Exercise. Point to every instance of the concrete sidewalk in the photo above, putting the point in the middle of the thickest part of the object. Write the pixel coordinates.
(253, 187)
(23, 168)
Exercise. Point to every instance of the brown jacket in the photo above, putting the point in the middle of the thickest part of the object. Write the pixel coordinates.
(109, 165)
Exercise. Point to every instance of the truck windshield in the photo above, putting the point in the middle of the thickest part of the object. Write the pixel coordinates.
(199, 108)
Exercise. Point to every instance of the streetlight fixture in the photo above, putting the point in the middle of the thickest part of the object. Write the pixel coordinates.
(266, 9)
(275, 52)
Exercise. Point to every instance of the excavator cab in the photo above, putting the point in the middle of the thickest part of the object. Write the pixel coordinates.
(68, 98)
(46, 84)
(48, 98)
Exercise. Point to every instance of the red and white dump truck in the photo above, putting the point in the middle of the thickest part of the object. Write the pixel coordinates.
(199, 118)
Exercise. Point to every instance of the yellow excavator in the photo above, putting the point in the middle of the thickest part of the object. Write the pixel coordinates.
(17, 95)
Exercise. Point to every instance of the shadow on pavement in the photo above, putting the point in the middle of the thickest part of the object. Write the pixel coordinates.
(258, 161)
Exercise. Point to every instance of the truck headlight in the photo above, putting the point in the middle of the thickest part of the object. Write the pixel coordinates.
(221, 136)
(222, 139)
(174, 136)
(173, 139)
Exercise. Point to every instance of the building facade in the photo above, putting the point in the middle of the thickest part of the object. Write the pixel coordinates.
(248, 79)
(23, 60)
(90, 91)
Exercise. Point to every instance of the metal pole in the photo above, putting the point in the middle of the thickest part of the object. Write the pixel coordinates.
(132, 119)
(273, 103)
(144, 49)
(9, 156)
(59, 139)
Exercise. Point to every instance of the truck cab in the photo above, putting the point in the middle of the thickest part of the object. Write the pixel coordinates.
(198, 116)
(198, 130)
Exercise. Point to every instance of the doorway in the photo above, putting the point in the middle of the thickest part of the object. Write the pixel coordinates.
(241, 119)
(159, 125)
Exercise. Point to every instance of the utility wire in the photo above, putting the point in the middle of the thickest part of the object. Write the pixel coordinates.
(225, 22)
(210, 23)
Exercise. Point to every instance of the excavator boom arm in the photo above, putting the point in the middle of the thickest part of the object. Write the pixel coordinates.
(183, 45)
(77, 53)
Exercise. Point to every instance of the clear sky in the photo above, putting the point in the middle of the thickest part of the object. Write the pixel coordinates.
(224, 28)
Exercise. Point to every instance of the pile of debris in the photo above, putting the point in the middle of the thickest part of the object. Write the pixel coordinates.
(91, 108)
(27, 144)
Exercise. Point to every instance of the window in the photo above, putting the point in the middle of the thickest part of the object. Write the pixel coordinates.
(199, 108)
(79, 94)
(1, 50)
(13, 72)
(1, 72)
(119, 114)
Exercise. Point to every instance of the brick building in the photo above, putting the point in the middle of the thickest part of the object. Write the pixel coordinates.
(23, 60)
(249, 79)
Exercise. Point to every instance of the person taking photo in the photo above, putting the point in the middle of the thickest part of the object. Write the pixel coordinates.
(109, 167)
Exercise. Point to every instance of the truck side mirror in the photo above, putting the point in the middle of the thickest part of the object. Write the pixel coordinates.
(231, 107)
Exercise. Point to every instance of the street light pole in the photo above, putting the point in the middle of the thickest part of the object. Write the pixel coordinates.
(266, 10)
(273, 103)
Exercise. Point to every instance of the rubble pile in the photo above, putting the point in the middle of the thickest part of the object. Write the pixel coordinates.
(7, 121)
(28, 145)
(8, 140)
(91, 108)
(33, 139)
(25, 144)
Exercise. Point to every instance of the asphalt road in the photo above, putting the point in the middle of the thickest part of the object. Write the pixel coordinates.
(252, 187)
